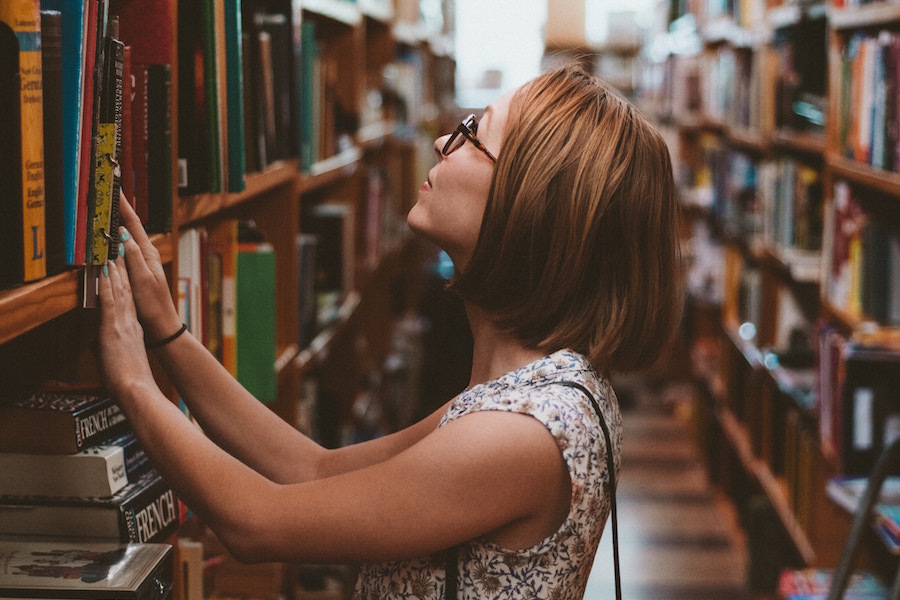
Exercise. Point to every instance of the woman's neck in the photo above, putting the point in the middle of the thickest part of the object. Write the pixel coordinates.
(494, 352)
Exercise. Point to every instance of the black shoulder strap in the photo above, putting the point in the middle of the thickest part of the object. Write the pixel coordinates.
(611, 470)
(452, 557)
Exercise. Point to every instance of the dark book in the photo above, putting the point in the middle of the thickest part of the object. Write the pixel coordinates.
(139, 133)
(193, 124)
(127, 165)
(10, 161)
(54, 195)
(81, 569)
(279, 62)
(871, 414)
(111, 111)
(159, 148)
(143, 511)
(136, 460)
(59, 422)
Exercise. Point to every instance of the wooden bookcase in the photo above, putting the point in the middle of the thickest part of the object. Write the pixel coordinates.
(746, 95)
(386, 57)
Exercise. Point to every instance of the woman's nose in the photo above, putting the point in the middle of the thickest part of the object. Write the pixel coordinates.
(439, 146)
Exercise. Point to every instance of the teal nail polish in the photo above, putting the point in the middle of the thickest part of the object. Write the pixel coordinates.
(121, 249)
(124, 236)
(106, 271)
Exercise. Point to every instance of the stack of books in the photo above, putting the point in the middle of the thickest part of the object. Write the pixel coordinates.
(847, 492)
(70, 468)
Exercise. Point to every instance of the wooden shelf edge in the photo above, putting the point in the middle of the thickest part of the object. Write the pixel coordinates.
(738, 438)
(330, 170)
(306, 358)
(340, 11)
(863, 174)
(31, 305)
(190, 209)
(869, 15)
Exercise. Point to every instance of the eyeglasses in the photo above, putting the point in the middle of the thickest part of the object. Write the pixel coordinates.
(468, 128)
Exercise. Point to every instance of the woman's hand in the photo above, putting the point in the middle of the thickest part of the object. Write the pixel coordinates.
(123, 358)
(152, 297)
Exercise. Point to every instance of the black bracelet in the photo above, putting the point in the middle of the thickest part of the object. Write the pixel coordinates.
(163, 342)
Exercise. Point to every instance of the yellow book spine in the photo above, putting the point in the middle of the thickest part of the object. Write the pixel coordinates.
(24, 18)
(103, 182)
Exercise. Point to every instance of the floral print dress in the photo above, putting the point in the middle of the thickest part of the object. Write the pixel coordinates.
(558, 567)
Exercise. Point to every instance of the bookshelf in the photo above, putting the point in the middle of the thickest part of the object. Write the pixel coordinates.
(380, 84)
(755, 100)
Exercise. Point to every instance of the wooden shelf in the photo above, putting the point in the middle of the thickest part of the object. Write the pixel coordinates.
(31, 305)
(306, 358)
(340, 11)
(774, 489)
(330, 170)
(190, 209)
(801, 141)
(379, 10)
(870, 15)
(862, 174)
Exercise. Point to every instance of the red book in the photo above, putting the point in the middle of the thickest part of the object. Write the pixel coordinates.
(146, 26)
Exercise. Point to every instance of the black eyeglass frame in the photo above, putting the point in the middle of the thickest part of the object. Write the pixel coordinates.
(467, 129)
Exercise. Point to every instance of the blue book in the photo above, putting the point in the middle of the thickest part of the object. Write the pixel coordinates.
(74, 16)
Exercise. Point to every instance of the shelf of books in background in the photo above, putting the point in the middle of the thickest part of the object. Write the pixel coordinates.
(782, 146)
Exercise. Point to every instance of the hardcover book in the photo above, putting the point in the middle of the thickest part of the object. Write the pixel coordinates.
(54, 181)
(97, 471)
(85, 570)
(63, 422)
(145, 510)
(24, 18)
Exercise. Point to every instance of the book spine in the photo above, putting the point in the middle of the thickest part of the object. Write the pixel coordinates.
(104, 173)
(140, 131)
(235, 96)
(10, 161)
(114, 114)
(54, 182)
(151, 515)
(97, 424)
(159, 147)
(86, 132)
(24, 18)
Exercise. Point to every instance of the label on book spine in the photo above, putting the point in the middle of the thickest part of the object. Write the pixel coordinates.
(24, 18)
(105, 175)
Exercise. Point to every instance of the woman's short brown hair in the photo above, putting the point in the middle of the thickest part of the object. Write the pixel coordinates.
(579, 245)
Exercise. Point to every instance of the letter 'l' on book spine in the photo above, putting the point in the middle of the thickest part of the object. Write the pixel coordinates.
(24, 18)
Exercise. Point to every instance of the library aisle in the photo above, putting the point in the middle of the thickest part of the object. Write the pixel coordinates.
(678, 537)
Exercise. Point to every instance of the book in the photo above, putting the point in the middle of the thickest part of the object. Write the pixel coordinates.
(139, 134)
(871, 416)
(159, 148)
(54, 181)
(24, 18)
(145, 510)
(255, 319)
(234, 103)
(86, 149)
(813, 584)
(82, 569)
(96, 471)
(193, 125)
(58, 422)
(307, 318)
(10, 161)
(112, 112)
(222, 240)
(847, 491)
(74, 23)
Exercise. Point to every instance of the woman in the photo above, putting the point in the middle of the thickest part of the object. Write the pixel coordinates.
(558, 210)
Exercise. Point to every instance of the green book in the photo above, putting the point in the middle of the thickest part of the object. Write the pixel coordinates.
(255, 320)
